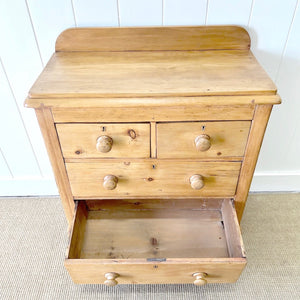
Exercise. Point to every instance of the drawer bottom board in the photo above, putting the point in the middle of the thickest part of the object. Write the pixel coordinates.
(181, 239)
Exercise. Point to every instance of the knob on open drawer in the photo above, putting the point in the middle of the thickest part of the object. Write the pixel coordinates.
(200, 278)
(110, 182)
(111, 278)
(104, 143)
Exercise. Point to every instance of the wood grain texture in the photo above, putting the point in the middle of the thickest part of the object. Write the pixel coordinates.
(153, 38)
(157, 203)
(152, 178)
(177, 140)
(152, 74)
(153, 102)
(219, 270)
(197, 243)
(257, 131)
(78, 230)
(232, 230)
(46, 123)
(155, 113)
(129, 140)
(155, 234)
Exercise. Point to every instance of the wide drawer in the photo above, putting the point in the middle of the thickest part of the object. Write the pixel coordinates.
(152, 178)
(104, 140)
(155, 241)
(202, 139)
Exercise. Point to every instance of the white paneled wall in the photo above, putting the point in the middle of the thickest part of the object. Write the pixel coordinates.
(221, 12)
(184, 12)
(28, 30)
(140, 12)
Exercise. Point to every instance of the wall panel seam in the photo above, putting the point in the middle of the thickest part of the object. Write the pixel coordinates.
(5, 161)
(118, 11)
(286, 41)
(206, 13)
(162, 12)
(20, 116)
(73, 11)
(251, 12)
(34, 33)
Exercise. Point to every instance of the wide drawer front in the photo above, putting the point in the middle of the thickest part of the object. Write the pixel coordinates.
(92, 271)
(152, 178)
(202, 139)
(104, 140)
(164, 241)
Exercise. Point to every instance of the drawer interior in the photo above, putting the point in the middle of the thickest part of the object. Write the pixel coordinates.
(155, 230)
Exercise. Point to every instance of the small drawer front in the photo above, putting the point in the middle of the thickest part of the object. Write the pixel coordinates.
(104, 140)
(152, 178)
(202, 139)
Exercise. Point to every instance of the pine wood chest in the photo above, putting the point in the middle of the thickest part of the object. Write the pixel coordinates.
(153, 135)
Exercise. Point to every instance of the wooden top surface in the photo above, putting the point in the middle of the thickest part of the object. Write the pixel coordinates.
(153, 38)
(174, 71)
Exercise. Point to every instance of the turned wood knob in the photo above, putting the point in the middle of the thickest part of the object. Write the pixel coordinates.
(200, 278)
(111, 279)
(197, 182)
(104, 143)
(110, 182)
(202, 142)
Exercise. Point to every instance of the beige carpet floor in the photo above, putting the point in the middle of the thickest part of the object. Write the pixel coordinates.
(33, 239)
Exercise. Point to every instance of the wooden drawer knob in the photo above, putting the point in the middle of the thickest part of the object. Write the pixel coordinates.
(202, 142)
(111, 279)
(104, 143)
(110, 182)
(197, 182)
(200, 278)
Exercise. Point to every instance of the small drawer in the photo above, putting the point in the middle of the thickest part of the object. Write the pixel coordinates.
(155, 241)
(152, 178)
(202, 139)
(104, 140)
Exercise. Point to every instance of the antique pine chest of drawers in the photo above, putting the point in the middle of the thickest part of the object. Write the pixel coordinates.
(153, 135)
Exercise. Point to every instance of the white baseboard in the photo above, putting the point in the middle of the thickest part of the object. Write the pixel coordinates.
(28, 187)
(276, 182)
(262, 182)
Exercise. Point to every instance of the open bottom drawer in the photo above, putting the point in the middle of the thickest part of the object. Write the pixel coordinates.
(155, 241)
